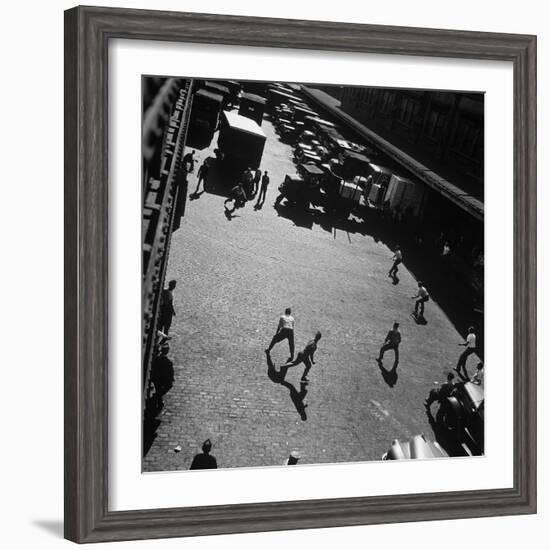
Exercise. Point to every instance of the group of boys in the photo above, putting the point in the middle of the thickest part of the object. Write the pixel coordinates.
(285, 331)
(393, 339)
(251, 183)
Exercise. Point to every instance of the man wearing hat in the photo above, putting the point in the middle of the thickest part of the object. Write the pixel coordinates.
(292, 459)
(204, 460)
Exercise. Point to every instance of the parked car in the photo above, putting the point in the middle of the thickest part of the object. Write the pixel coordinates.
(416, 447)
(462, 416)
(298, 191)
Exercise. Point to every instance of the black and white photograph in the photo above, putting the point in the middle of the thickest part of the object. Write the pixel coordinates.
(313, 271)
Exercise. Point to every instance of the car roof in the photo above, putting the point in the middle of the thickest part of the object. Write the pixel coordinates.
(211, 95)
(475, 393)
(312, 169)
(243, 123)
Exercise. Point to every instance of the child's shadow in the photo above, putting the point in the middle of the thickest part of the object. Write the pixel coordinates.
(296, 396)
(389, 376)
(196, 195)
(419, 318)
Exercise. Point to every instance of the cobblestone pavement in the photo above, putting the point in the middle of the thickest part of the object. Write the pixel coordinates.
(235, 277)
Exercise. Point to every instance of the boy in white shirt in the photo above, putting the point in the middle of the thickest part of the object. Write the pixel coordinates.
(470, 345)
(285, 330)
(421, 298)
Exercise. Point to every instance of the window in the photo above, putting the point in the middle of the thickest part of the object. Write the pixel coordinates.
(434, 124)
(386, 101)
(371, 95)
(408, 111)
(467, 137)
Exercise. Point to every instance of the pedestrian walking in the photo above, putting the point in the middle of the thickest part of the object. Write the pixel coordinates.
(248, 182)
(204, 460)
(189, 161)
(392, 341)
(305, 356)
(285, 330)
(442, 392)
(162, 370)
(166, 307)
(202, 175)
(397, 259)
(263, 191)
(421, 298)
(470, 345)
(257, 178)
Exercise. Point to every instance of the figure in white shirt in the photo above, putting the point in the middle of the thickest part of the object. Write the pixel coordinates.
(421, 298)
(470, 344)
(285, 330)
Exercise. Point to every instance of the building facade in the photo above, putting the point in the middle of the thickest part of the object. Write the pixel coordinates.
(166, 110)
(443, 130)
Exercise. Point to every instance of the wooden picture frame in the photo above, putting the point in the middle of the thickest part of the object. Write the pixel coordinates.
(87, 34)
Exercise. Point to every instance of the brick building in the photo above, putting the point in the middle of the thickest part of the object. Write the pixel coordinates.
(443, 130)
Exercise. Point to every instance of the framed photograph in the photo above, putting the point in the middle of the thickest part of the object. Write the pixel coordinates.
(300, 274)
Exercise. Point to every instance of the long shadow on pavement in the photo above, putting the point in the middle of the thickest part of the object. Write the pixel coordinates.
(299, 216)
(389, 376)
(459, 302)
(296, 396)
(199, 138)
(162, 376)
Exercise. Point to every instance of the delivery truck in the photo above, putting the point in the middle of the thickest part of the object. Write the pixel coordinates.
(205, 110)
(241, 141)
(252, 106)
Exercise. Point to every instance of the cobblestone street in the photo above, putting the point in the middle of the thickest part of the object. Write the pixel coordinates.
(234, 279)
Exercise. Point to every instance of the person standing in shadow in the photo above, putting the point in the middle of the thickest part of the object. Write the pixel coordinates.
(162, 371)
(292, 459)
(263, 191)
(441, 393)
(202, 176)
(204, 460)
(397, 259)
(189, 161)
(166, 308)
(257, 178)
